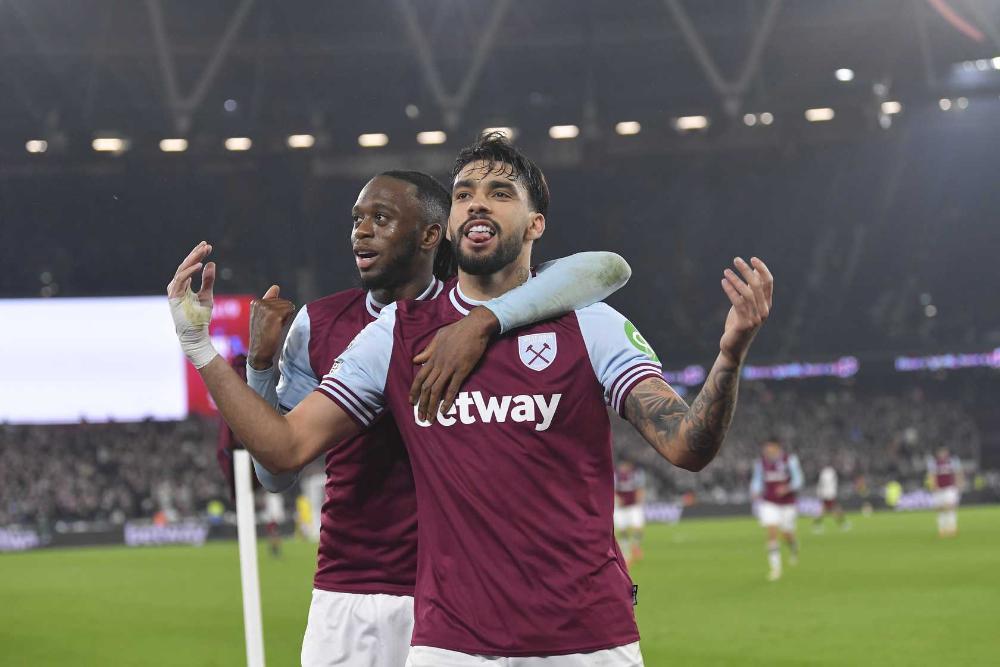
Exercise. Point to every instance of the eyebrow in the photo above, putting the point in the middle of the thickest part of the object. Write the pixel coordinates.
(379, 204)
(492, 184)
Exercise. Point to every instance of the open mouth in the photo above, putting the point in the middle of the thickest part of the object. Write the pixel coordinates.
(365, 258)
(480, 233)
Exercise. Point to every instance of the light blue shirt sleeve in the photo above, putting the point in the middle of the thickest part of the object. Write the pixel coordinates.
(561, 286)
(297, 381)
(297, 377)
(757, 480)
(795, 469)
(356, 382)
(619, 355)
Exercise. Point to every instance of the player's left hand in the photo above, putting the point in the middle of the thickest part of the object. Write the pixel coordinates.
(449, 359)
(751, 299)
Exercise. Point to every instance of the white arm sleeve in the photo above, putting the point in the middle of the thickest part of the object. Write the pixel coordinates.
(297, 380)
(795, 469)
(263, 383)
(356, 382)
(620, 356)
(757, 481)
(561, 286)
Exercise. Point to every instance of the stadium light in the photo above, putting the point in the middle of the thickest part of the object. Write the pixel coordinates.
(301, 141)
(685, 123)
(564, 131)
(944, 103)
(431, 137)
(766, 118)
(509, 132)
(373, 140)
(238, 143)
(819, 115)
(982, 65)
(962, 102)
(36, 146)
(749, 119)
(844, 74)
(996, 62)
(173, 145)
(109, 145)
(891, 107)
(628, 127)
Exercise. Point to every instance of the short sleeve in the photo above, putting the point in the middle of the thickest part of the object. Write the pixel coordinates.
(297, 376)
(620, 356)
(356, 381)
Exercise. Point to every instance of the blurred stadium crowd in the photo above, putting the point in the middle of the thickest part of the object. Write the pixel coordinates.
(869, 438)
(108, 473)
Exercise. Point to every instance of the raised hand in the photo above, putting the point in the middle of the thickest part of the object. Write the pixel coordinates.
(193, 311)
(751, 294)
(268, 317)
(449, 359)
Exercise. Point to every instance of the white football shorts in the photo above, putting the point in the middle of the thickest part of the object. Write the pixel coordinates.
(773, 514)
(620, 656)
(631, 516)
(944, 498)
(357, 630)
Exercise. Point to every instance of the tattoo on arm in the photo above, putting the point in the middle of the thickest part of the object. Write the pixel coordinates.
(686, 436)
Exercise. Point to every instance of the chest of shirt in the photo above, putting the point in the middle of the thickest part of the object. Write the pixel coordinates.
(529, 377)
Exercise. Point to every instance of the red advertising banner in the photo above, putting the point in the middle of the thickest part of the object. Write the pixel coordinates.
(230, 330)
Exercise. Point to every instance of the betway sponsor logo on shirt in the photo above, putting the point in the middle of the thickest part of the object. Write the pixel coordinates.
(473, 407)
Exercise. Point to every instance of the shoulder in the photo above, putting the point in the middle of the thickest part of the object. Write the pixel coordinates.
(323, 313)
(335, 304)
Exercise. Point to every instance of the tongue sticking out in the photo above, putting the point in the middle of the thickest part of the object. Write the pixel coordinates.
(479, 237)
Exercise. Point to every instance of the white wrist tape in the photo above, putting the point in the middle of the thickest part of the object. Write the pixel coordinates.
(191, 320)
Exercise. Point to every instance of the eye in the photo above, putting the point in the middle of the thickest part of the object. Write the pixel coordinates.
(356, 219)
(502, 194)
(380, 218)
(461, 195)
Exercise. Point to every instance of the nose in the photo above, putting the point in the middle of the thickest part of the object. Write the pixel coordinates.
(364, 229)
(478, 205)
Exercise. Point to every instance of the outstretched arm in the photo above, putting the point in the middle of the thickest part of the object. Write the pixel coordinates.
(561, 286)
(279, 443)
(690, 437)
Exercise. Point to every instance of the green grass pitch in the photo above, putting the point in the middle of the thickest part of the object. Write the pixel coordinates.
(889, 592)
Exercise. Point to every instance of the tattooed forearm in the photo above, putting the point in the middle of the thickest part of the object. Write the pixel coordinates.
(711, 413)
(656, 411)
(688, 437)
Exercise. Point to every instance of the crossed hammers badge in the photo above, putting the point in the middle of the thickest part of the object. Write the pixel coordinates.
(537, 351)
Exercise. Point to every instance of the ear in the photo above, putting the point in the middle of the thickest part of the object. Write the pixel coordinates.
(536, 226)
(431, 237)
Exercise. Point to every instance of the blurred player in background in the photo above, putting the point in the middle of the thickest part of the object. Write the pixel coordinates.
(361, 612)
(777, 476)
(630, 518)
(826, 490)
(944, 473)
(274, 516)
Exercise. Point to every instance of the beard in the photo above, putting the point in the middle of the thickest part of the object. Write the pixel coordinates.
(395, 270)
(507, 250)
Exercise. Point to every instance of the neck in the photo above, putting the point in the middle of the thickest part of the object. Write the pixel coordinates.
(485, 287)
(411, 289)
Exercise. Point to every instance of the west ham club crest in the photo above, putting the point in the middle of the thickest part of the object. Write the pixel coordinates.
(537, 351)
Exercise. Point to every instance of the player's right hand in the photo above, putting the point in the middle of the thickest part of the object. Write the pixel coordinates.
(192, 312)
(268, 317)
